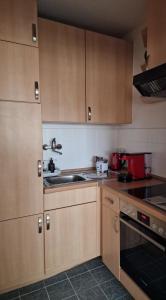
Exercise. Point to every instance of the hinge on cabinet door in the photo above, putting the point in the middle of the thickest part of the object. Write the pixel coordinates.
(34, 35)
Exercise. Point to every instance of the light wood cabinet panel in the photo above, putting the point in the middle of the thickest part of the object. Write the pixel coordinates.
(20, 149)
(156, 43)
(20, 67)
(21, 252)
(72, 237)
(62, 72)
(17, 17)
(108, 79)
(110, 238)
(70, 197)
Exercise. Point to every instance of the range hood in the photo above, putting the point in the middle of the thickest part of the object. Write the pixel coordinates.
(152, 83)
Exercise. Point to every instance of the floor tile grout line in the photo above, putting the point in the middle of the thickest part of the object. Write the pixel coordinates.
(48, 285)
(98, 285)
(72, 286)
(47, 293)
(21, 295)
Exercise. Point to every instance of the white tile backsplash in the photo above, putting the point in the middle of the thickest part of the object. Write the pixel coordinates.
(80, 143)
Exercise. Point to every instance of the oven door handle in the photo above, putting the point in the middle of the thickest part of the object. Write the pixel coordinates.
(161, 247)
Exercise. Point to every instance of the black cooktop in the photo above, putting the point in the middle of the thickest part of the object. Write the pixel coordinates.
(148, 191)
(155, 194)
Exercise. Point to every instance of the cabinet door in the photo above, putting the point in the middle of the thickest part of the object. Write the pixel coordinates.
(110, 238)
(19, 21)
(20, 149)
(21, 252)
(62, 72)
(108, 79)
(20, 77)
(71, 237)
(156, 43)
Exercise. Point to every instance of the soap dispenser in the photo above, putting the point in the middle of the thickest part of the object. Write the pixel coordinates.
(51, 166)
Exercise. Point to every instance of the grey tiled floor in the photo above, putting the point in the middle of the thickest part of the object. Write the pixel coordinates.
(89, 281)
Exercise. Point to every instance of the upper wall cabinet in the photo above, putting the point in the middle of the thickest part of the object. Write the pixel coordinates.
(156, 44)
(62, 72)
(18, 21)
(108, 79)
(19, 76)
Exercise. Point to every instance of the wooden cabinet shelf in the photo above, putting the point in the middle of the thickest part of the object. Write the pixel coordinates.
(20, 74)
(18, 21)
(111, 232)
(21, 252)
(108, 79)
(156, 43)
(62, 72)
(20, 149)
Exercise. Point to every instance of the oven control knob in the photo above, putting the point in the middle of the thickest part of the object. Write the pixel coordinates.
(154, 226)
(161, 230)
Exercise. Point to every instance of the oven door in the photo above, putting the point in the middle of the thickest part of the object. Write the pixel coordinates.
(143, 257)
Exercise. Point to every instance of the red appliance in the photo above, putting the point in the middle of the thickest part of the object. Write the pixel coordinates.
(116, 161)
(135, 164)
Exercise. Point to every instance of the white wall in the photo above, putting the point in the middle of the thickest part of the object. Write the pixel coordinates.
(148, 129)
(80, 143)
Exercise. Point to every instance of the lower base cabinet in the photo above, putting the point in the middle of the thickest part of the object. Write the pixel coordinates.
(70, 236)
(21, 251)
(110, 235)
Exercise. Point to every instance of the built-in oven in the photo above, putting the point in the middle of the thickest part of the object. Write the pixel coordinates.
(143, 250)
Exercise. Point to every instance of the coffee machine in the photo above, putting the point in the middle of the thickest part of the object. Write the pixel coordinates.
(134, 166)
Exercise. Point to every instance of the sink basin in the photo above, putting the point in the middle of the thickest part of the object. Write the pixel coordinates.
(52, 181)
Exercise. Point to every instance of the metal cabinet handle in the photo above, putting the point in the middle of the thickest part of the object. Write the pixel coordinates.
(110, 200)
(34, 34)
(39, 168)
(36, 90)
(40, 225)
(48, 222)
(89, 113)
(116, 224)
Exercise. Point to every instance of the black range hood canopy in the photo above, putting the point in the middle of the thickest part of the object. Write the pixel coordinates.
(152, 83)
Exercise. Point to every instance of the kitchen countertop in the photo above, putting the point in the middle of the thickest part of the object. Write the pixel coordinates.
(115, 186)
(119, 188)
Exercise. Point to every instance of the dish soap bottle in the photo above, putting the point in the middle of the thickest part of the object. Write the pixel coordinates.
(51, 166)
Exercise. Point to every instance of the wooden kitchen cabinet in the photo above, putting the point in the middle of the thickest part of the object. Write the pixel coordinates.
(156, 41)
(18, 21)
(108, 79)
(62, 72)
(110, 233)
(19, 80)
(20, 150)
(21, 252)
(72, 233)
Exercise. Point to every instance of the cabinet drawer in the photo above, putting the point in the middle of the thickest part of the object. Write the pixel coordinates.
(69, 197)
(111, 199)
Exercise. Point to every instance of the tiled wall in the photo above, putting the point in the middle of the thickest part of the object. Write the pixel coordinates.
(80, 143)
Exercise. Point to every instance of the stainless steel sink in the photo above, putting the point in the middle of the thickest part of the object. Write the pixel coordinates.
(53, 181)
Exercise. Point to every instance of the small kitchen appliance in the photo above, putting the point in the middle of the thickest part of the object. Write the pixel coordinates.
(116, 161)
(134, 164)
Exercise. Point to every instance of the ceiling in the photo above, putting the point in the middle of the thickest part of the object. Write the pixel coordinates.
(115, 17)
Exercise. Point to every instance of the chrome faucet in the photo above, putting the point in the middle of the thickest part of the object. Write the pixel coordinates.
(54, 146)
